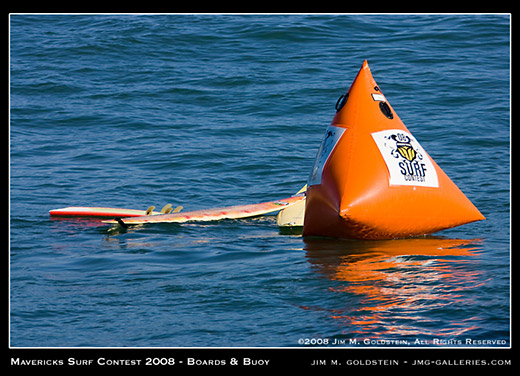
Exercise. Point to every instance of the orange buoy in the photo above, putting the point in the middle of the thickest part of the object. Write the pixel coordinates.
(373, 180)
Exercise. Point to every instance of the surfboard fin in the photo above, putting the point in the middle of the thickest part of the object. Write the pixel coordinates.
(177, 209)
(121, 223)
(166, 209)
(150, 210)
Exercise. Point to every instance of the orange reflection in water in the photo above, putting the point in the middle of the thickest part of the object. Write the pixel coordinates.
(400, 287)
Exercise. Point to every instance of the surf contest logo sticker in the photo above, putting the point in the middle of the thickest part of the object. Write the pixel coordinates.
(405, 158)
(331, 138)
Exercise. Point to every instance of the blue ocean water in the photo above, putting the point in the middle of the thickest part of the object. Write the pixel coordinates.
(214, 110)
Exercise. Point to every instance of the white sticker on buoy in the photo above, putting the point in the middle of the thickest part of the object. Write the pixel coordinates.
(378, 97)
(407, 162)
(332, 136)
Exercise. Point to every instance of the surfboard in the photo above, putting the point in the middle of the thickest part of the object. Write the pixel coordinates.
(213, 214)
(88, 211)
(293, 215)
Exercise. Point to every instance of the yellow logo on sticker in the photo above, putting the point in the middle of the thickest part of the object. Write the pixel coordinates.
(407, 151)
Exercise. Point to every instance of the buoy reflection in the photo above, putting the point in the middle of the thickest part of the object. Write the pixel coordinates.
(409, 287)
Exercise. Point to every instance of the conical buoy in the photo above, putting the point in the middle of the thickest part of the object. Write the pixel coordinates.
(373, 180)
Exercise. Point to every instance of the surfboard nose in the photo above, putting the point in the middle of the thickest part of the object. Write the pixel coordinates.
(373, 179)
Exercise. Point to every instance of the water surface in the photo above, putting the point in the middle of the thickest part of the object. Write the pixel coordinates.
(213, 110)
